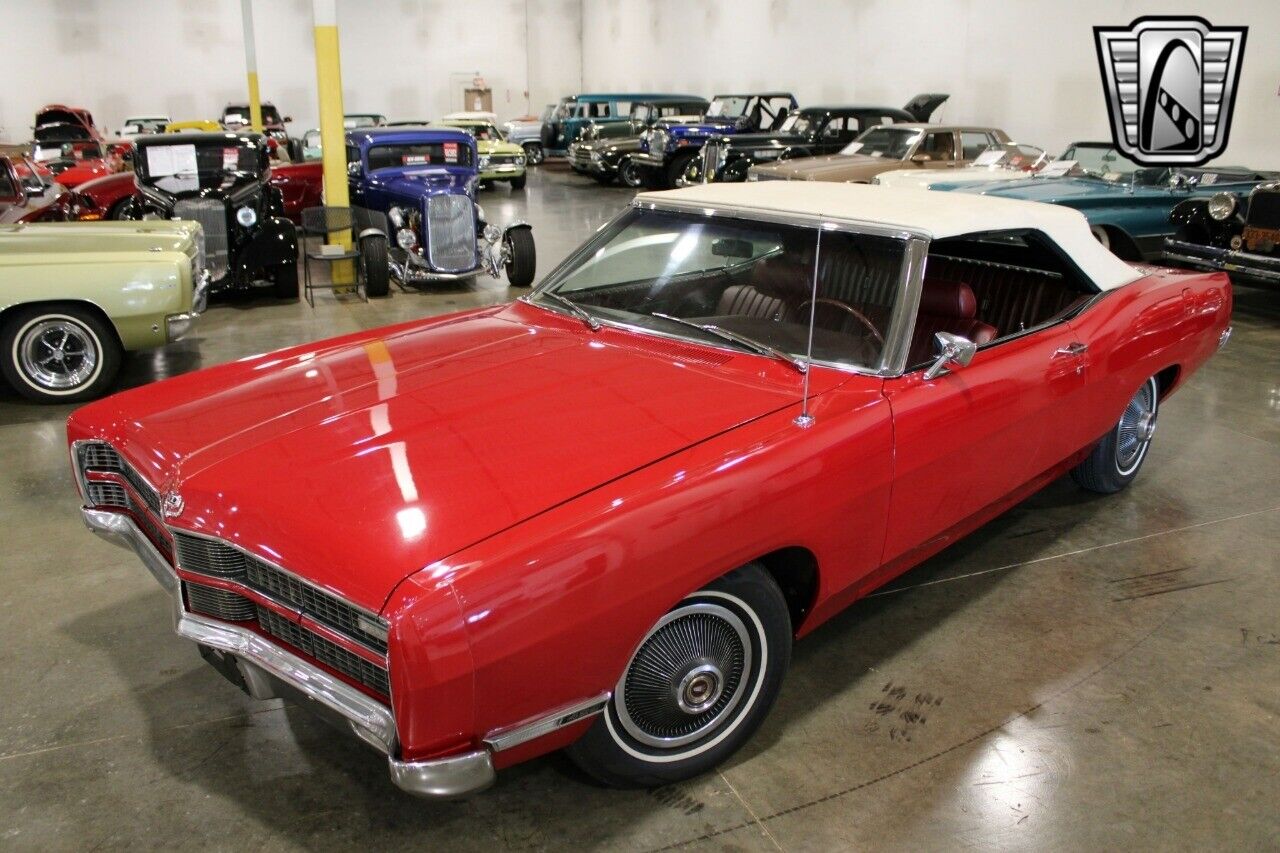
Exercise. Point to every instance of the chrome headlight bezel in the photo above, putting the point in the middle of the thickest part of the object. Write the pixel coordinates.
(492, 233)
(247, 217)
(484, 161)
(406, 239)
(396, 215)
(1221, 206)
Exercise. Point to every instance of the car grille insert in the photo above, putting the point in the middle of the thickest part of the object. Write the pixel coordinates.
(1264, 209)
(98, 457)
(107, 494)
(331, 654)
(219, 603)
(219, 559)
(451, 233)
(212, 216)
(711, 156)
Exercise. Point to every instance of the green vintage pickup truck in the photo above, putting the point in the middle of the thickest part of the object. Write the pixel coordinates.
(75, 296)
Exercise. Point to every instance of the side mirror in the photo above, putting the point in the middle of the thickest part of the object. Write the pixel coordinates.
(921, 158)
(953, 351)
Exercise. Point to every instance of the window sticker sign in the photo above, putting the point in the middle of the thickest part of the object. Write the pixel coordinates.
(415, 159)
(451, 152)
(989, 157)
(1057, 168)
(166, 160)
(230, 159)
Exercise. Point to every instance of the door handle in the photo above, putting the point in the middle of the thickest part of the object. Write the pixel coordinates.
(1075, 348)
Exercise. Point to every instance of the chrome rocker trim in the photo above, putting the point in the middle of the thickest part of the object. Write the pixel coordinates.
(266, 667)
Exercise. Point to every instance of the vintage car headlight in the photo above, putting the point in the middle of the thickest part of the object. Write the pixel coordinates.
(1222, 205)
(246, 216)
(484, 161)
(396, 215)
(492, 233)
(406, 239)
(519, 160)
(595, 157)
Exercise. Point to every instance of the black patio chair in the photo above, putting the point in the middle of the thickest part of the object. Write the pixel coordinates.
(324, 222)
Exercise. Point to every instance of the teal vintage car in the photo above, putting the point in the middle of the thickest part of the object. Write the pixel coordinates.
(1127, 206)
(75, 296)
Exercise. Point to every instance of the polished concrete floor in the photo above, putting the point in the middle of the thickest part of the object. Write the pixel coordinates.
(1083, 673)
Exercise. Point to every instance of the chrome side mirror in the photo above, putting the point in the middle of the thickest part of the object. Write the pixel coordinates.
(953, 351)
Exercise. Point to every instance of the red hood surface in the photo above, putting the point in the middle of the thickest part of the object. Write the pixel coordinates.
(358, 461)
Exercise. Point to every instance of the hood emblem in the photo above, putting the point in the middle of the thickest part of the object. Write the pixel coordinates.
(171, 504)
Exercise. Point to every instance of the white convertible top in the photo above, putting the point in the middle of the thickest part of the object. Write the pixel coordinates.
(933, 214)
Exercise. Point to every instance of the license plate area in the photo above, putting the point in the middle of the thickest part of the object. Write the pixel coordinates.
(1261, 239)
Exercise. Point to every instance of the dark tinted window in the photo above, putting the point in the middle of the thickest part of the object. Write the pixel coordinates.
(419, 154)
(7, 189)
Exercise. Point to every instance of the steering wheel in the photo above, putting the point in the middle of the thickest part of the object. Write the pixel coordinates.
(854, 312)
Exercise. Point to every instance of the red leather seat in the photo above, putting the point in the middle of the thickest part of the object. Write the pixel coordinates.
(777, 286)
(946, 306)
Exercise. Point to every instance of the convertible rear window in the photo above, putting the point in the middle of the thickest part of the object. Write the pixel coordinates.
(419, 154)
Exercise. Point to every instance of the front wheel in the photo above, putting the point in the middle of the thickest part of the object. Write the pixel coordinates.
(630, 174)
(533, 153)
(518, 183)
(522, 257)
(59, 353)
(699, 684)
(377, 270)
(684, 170)
(284, 280)
(1114, 463)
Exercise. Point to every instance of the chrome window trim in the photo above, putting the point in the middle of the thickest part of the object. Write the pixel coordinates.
(893, 354)
(266, 594)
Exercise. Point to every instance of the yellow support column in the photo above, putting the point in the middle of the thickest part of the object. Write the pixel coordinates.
(332, 134)
(251, 66)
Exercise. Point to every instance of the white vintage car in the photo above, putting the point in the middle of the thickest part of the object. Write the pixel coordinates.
(1005, 161)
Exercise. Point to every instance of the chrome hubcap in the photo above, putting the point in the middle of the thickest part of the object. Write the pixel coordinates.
(686, 677)
(1137, 426)
(57, 354)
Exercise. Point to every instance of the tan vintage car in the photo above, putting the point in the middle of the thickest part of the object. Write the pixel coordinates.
(884, 147)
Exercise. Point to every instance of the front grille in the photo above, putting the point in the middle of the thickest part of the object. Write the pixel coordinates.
(711, 155)
(658, 142)
(352, 666)
(100, 457)
(219, 559)
(451, 233)
(580, 157)
(107, 494)
(502, 159)
(219, 603)
(1264, 208)
(212, 216)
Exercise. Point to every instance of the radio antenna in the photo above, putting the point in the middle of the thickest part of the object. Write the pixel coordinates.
(804, 419)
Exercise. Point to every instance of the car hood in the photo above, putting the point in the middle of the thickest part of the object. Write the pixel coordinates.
(831, 167)
(498, 147)
(357, 462)
(59, 241)
(1052, 190)
(422, 180)
(947, 179)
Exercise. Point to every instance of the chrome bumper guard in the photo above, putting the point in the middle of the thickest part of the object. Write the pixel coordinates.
(503, 169)
(270, 671)
(419, 273)
(648, 160)
(177, 325)
(1264, 268)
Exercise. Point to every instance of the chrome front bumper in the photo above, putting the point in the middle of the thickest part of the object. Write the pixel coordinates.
(177, 325)
(1261, 268)
(648, 160)
(419, 273)
(269, 671)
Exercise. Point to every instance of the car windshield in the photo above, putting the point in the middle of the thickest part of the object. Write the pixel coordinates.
(482, 132)
(238, 116)
(401, 154)
(352, 121)
(1100, 162)
(186, 167)
(798, 123)
(727, 106)
(889, 142)
(752, 282)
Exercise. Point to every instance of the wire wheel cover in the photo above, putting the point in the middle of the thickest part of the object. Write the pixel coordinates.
(687, 676)
(1137, 425)
(57, 354)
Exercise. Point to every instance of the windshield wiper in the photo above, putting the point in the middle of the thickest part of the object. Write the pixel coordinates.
(740, 340)
(573, 308)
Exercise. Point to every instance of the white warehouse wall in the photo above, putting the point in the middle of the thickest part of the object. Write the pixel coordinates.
(407, 58)
(1028, 67)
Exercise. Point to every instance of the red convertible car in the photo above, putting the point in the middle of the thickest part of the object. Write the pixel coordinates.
(596, 518)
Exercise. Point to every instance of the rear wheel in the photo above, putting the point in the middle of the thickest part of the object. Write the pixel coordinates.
(59, 353)
(1114, 463)
(699, 684)
(284, 280)
(522, 257)
(118, 210)
(377, 271)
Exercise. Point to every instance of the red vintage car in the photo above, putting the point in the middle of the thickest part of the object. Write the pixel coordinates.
(597, 517)
(28, 192)
(300, 184)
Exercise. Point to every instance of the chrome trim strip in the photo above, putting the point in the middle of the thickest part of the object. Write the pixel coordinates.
(897, 346)
(1262, 267)
(506, 738)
